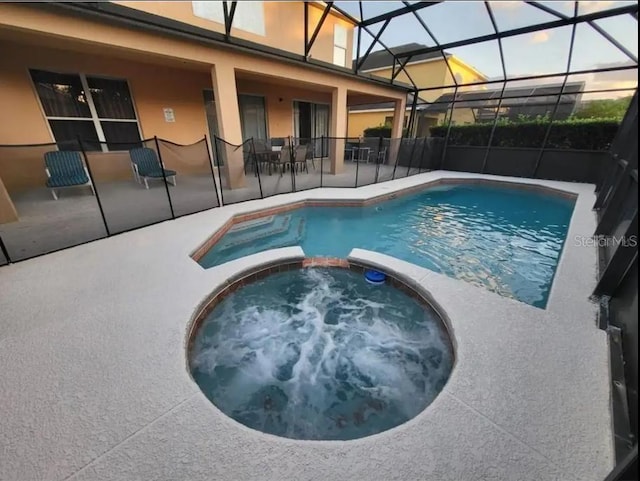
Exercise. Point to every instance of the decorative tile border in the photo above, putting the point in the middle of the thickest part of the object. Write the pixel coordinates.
(231, 285)
(325, 262)
(240, 218)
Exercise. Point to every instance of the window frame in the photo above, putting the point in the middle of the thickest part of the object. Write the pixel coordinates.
(95, 119)
(242, 20)
(342, 48)
(266, 111)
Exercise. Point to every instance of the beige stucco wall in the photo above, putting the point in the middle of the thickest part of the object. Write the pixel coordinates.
(162, 71)
(425, 75)
(152, 88)
(435, 73)
(284, 25)
(279, 102)
(153, 47)
(361, 120)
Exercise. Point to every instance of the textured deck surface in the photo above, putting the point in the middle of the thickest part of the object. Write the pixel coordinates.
(94, 382)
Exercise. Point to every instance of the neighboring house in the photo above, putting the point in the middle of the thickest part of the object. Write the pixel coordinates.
(124, 71)
(517, 103)
(427, 70)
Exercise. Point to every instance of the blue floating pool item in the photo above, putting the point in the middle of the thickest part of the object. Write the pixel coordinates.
(374, 277)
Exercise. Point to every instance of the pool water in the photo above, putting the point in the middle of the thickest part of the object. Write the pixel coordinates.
(319, 353)
(504, 239)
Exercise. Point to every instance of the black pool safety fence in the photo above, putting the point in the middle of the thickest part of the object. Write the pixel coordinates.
(63, 194)
(261, 168)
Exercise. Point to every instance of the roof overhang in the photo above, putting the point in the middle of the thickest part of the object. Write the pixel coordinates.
(108, 12)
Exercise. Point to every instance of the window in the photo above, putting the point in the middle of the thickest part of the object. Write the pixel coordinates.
(249, 16)
(95, 109)
(253, 117)
(340, 46)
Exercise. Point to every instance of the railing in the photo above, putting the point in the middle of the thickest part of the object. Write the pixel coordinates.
(115, 187)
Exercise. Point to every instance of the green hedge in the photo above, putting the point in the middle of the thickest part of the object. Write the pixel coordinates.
(577, 134)
(383, 131)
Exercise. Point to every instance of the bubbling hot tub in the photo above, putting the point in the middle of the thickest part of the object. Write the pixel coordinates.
(320, 353)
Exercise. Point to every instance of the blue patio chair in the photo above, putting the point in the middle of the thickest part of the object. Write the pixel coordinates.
(147, 166)
(65, 169)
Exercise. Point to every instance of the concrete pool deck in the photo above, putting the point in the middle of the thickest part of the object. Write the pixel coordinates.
(95, 385)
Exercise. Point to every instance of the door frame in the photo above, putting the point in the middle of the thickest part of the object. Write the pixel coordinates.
(293, 111)
(266, 111)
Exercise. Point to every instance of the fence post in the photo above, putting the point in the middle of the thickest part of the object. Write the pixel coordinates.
(425, 144)
(321, 157)
(95, 186)
(413, 151)
(213, 174)
(292, 174)
(252, 152)
(395, 166)
(4, 250)
(164, 176)
(443, 159)
(357, 159)
(215, 143)
(378, 158)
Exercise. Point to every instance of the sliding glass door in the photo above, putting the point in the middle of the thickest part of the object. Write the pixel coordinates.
(311, 124)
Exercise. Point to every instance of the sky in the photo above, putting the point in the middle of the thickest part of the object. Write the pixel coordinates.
(542, 52)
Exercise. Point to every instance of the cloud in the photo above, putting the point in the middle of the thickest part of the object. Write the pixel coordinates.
(540, 37)
(506, 5)
(596, 6)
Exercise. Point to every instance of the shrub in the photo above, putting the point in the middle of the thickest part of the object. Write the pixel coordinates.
(603, 108)
(383, 131)
(380, 131)
(576, 134)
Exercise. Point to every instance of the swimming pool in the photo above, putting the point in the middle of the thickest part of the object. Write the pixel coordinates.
(319, 353)
(505, 239)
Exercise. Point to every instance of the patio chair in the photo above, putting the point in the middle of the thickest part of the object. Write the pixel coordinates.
(300, 158)
(380, 156)
(284, 159)
(350, 151)
(66, 169)
(147, 166)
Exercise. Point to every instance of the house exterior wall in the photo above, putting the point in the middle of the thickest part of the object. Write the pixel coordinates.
(152, 87)
(361, 120)
(162, 71)
(153, 48)
(464, 73)
(426, 74)
(279, 102)
(284, 25)
(434, 73)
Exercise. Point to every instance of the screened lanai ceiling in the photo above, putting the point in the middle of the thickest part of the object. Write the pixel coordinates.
(508, 44)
